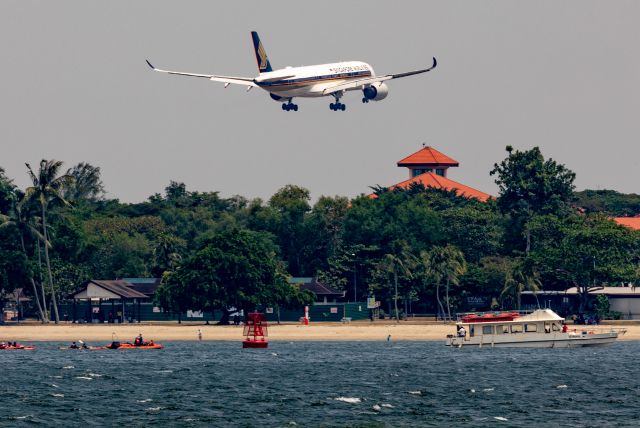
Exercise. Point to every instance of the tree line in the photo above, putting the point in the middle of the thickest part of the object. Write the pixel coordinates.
(421, 250)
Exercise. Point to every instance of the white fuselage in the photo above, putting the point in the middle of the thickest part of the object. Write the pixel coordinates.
(310, 81)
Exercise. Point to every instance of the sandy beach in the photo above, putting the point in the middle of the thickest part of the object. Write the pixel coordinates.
(355, 331)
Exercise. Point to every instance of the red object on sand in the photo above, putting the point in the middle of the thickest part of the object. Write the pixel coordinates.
(255, 330)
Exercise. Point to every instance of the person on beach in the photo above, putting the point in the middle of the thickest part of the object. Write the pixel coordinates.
(199, 334)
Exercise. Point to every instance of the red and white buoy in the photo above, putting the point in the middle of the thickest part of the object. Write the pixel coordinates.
(255, 331)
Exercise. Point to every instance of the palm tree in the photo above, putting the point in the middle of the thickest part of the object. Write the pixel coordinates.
(522, 278)
(401, 262)
(46, 188)
(24, 222)
(444, 263)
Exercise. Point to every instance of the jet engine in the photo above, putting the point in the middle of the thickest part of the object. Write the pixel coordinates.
(376, 92)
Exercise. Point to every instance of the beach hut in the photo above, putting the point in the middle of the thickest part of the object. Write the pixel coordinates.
(116, 297)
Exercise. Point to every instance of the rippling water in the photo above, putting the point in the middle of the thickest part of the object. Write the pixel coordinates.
(366, 384)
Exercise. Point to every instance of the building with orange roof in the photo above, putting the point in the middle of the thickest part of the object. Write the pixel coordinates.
(630, 222)
(429, 167)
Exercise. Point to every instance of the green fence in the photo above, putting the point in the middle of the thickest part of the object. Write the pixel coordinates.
(133, 312)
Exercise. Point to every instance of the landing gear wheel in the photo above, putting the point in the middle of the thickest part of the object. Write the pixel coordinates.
(295, 107)
(343, 107)
(284, 107)
(332, 106)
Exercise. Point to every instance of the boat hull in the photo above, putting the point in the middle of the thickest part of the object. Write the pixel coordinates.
(561, 340)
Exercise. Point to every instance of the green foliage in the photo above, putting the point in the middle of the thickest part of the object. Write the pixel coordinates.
(85, 185)
(235, 268)
(530, 184)
(6, 192)
(609, 202)
(392, 240)
(603, 307)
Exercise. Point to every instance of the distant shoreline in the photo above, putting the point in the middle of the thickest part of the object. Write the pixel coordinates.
(360, 331)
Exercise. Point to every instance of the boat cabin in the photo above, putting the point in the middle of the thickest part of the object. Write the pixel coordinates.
(540, 321)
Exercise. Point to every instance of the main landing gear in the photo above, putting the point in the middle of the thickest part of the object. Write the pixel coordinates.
(337, 105)
(365, 100)
(289, 106)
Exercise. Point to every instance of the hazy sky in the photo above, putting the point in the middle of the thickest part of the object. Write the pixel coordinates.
(74, 86)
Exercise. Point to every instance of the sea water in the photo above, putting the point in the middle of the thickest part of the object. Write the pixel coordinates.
(334, 384)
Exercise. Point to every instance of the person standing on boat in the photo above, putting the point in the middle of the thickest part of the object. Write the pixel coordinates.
(462, 332)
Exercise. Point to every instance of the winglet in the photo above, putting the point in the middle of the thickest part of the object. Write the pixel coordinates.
(150, 65)
(433, 66)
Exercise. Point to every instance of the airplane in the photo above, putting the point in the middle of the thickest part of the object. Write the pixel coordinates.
(309, 81)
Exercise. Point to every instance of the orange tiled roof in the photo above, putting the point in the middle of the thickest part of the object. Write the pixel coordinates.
(429, 179)
(631, 222)
(428, 156)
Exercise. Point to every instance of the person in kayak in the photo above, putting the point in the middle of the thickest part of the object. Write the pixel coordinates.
(73, 346)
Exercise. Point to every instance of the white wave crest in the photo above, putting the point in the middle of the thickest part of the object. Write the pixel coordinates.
(352, 400)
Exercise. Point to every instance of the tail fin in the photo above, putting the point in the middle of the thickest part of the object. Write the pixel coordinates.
(264, 66)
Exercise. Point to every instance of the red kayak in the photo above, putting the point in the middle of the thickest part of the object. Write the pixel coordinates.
(17, 348)
(127, 345)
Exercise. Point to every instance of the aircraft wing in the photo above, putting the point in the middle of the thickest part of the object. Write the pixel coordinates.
(245, 81)
(361, 83)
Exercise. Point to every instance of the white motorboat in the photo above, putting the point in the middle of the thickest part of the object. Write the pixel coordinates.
(542, 328)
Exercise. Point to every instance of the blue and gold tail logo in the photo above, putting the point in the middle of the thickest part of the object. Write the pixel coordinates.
(261, 55)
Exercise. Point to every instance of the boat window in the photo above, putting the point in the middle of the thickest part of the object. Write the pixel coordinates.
(487, 329)
(516, 328)
(471, 331)
(547, 327)
(505, 329)
(555, 327)
(530, 328)
(499, 329)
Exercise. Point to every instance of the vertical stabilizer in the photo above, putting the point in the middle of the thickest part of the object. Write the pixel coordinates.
(264, 66)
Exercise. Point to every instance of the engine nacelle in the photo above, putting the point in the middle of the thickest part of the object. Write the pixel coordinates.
(376, 92)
